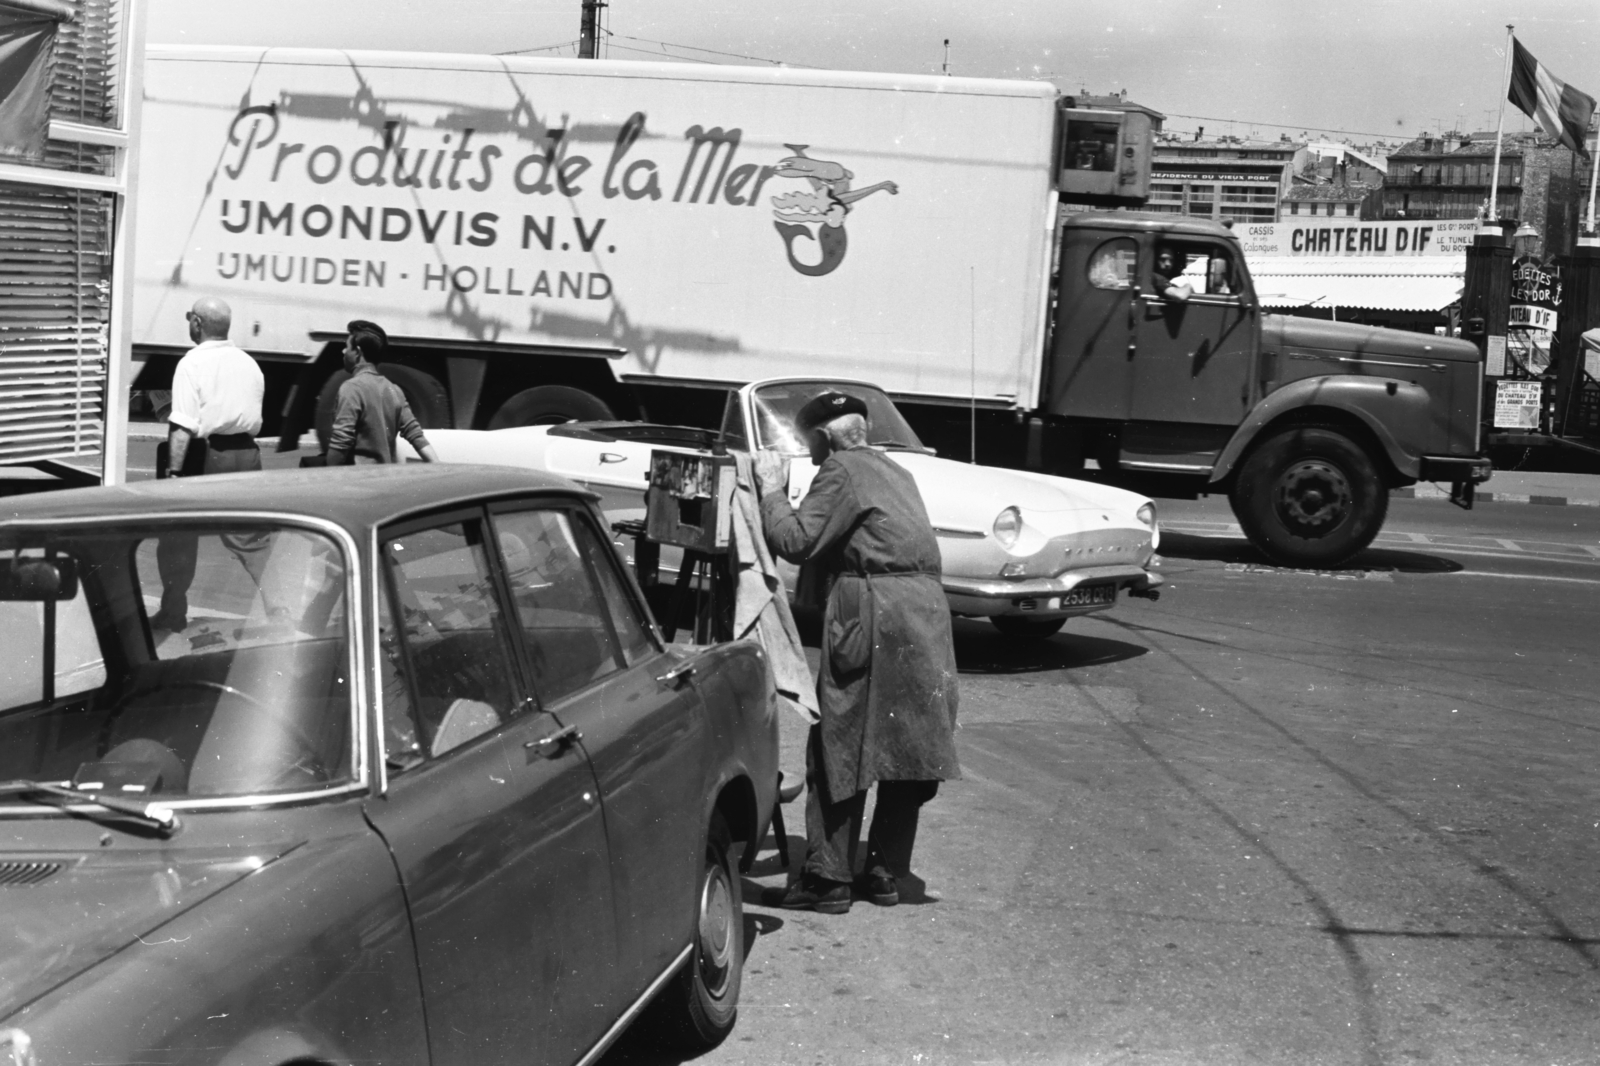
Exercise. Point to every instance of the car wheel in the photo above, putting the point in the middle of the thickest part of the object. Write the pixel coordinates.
(1309, 497)
(1028, 629)
(428, 399)
(550, 405)
(698, 1008)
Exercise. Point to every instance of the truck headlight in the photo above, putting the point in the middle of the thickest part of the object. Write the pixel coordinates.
(1147, 514)
(1008, 527)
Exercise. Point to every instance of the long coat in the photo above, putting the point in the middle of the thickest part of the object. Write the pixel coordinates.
(887, 683)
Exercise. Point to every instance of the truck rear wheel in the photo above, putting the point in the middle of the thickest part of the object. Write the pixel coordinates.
(428, 399)
(1309, 497)
(550, 405)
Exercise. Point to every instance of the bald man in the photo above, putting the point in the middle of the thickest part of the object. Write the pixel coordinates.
(216, 414)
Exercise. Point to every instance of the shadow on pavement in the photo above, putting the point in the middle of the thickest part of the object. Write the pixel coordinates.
(983, 649)
(1230, 550)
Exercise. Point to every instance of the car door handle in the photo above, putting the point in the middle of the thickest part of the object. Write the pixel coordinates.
(553, 745)
(612, 457)
(678, 674)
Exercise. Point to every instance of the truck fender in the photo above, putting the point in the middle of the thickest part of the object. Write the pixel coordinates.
(1393, 410)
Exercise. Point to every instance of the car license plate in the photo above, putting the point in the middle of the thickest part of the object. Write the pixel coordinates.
(1089, 596)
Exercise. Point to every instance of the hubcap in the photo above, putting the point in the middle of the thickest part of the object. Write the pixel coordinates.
(716, 930)
(1313, 496)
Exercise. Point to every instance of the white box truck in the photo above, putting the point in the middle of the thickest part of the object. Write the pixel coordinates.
(547, 240)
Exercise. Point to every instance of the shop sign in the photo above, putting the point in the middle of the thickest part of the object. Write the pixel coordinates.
(1516, 404)
(1311, 239)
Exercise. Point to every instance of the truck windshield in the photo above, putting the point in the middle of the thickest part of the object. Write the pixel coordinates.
(182, 660)
(776, 406)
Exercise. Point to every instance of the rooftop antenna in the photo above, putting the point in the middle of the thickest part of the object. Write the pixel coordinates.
(945, 70)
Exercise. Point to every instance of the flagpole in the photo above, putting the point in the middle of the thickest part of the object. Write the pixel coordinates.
(1594, 168)
(1499, 132)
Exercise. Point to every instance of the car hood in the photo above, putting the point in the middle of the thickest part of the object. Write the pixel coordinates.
(66, 912)
(1289, 332)
(961, 497)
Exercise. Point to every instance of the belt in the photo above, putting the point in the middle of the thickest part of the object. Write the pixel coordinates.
(230, 441)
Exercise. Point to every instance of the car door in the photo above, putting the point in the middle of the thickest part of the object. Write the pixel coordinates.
(596, 665)
(491, 812)
(1091, 371)
(1193, 358)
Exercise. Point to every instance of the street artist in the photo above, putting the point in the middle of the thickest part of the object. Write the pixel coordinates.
(887, 681)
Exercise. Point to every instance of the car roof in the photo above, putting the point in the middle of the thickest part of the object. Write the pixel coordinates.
(355, 497)
(1149, 222)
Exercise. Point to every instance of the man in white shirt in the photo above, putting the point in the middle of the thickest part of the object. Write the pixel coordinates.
(216, 414)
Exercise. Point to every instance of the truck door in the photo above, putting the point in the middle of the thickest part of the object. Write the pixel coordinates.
(1194, 358)
(1091, 372)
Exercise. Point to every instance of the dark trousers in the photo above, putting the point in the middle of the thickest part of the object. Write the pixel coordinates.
(176, 553)
(832, 829)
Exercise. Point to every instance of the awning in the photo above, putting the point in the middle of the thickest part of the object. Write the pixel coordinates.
(1379, 283)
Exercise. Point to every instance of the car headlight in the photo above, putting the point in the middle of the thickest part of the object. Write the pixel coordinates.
(1147, 514)
(1008, 527)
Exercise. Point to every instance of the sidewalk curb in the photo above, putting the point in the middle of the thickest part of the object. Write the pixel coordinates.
(1430, 492)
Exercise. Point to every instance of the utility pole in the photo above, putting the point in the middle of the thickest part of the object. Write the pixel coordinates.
(946, 68)
(589, 32)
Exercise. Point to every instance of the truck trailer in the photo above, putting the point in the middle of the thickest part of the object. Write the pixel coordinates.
(551, 239)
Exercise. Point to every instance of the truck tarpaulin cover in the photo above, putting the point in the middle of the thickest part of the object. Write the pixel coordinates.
(27, 54)
(711, 222)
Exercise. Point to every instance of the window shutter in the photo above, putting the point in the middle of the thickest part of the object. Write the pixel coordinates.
(55, 263)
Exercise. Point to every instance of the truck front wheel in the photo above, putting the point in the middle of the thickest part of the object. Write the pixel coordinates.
(1309, 497)
(550, 405)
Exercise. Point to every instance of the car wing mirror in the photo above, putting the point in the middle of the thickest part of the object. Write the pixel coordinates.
(39, 580)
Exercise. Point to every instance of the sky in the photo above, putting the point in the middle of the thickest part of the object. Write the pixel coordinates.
(1364, 69)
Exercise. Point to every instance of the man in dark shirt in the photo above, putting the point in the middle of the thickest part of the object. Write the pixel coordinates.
(887, 681)
(372, 410)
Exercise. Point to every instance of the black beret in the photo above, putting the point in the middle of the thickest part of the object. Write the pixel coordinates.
(361, 325)
(820, 410)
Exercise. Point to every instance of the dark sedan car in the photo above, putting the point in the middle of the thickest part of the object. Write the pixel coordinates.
(385, 764)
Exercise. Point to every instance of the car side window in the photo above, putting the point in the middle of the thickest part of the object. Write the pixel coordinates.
(456, 647)
(1111, 265)
(633, 636)
(1220, 279)
(402, 748)
(562, 614)
(733, 432)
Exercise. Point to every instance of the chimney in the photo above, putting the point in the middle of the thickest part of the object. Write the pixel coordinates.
(1199, 133)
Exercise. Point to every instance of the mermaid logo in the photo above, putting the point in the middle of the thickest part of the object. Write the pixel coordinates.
(817, 215)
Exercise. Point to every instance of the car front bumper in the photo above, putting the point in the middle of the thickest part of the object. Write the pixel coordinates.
(1042, 597)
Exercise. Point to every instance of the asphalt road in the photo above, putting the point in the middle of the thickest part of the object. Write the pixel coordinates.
(1277, 817)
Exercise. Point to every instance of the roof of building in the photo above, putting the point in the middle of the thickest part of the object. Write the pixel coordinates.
(1351, 192)
(356, 498)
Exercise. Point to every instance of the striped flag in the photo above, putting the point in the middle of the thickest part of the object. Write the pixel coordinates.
(1562, 111)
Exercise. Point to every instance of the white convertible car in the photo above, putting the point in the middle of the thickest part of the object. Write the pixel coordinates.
(1027, 551)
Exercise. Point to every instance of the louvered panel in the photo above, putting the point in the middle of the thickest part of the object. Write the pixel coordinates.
(55, 267)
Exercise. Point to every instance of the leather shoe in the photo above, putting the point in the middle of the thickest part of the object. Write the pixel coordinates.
(878, 888)
(175, 623)
(817, 894)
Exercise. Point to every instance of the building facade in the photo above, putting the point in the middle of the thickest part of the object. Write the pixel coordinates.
(1541, 183)
(1224, 179)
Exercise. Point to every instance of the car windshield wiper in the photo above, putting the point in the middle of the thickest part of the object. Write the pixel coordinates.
(155, 815)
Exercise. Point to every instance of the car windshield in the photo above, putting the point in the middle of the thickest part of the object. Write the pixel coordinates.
(776, 406)
(181, 660)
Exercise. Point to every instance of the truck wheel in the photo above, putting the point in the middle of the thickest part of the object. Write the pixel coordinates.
(1309, 497)
(698, 1007)
(428, 399)
(1029, 630)
(550, 405)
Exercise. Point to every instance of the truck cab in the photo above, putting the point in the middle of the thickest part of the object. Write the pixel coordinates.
(1173, 368)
